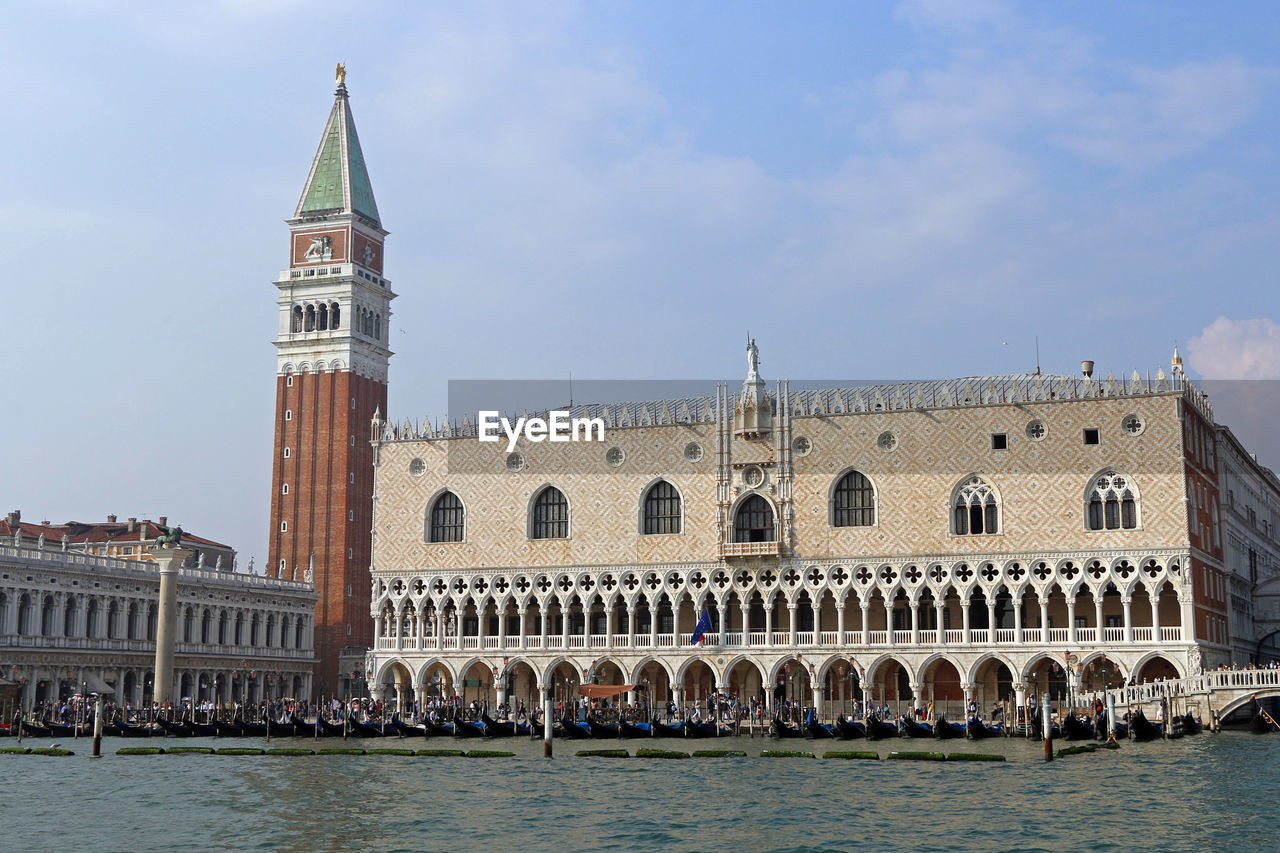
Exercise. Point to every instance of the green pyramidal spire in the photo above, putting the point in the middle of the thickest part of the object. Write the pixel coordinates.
(339, 181)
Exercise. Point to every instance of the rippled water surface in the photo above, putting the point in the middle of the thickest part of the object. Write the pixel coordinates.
(1211, 792)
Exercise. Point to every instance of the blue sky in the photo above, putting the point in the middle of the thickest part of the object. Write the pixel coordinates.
(618, 190)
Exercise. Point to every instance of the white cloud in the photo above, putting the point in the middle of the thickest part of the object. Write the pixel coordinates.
(1236, 349)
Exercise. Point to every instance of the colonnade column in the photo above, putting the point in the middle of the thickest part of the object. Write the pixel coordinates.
(724, 624)
(914, 607)
(502, 627)
(866, 622)
(964, 622)
(524, 628)
(888, 620)
(1071, 620)
(1017, 620)
(1155, 616)
(938, 608)
(991, 621)
(791, 624)
(840, 622)
(1097, 609)
(915, 695)
(1127, 603)
(631, 626)
(746, 621)
(1044, 618)
(768, 625)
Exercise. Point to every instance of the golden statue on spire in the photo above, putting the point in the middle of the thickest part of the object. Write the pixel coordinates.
(341, 74)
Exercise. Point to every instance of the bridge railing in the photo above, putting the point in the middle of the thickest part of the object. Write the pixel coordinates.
(1198, 685)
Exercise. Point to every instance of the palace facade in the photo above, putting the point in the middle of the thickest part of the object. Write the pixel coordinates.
(980, 537)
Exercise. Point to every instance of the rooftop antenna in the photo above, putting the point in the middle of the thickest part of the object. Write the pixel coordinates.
(1037, 355)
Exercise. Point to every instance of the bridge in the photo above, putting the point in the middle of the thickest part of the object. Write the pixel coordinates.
(1219, 693)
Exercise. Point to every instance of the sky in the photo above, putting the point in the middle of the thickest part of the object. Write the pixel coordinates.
(614, 191)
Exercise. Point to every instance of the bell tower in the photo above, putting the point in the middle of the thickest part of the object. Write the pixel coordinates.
(332, 354)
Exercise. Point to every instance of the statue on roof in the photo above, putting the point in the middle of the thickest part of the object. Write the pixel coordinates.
(341, 74)
(753, 357)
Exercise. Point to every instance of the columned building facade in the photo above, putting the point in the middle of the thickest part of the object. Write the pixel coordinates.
(331, 379)
(73, 621)
(925, 542)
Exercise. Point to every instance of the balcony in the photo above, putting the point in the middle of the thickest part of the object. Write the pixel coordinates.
(729, 550)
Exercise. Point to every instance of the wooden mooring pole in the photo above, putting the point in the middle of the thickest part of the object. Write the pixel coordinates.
(1048, 729)
(546, 726)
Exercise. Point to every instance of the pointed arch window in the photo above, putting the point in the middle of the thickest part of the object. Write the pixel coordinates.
(975, 510)
(853, 503)
(754, 521)
(1112, 503)
(447, 519)
(662, 509)
(550, 515)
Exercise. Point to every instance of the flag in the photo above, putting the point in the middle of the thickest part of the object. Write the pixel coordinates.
(703, 626)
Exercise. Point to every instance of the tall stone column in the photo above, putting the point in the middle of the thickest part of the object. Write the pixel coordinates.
(169, 559)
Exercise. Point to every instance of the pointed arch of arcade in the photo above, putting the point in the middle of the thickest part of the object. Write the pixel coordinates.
(1030, 666)
(380, 677)
(563, 660)
(723, 673)
(688, 663)
(598, 664)
(971, 676)
(637, 671)
(424, 672)
(874, 667)
(1111, 660)
(1136, 671)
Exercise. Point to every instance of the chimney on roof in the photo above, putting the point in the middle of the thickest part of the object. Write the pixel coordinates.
(111, 519)
(133, 524)
(164, 521)
(14, 517)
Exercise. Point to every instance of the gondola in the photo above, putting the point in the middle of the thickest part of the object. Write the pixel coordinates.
(200, 729)
(817, 730)
(301, 727)
(328, 729)
(355, 728)
(1142, 729)
(403, 729)
(1103, 730)
(1190, 725)
(35, 730)
(139, 730)
(667, 729)
(110, 728)
(279, 729)
(634, 730)
(780, 728)
(436, 728)
(977, 730)
(575, 731)
(505, 728)
(697, 729)
(850, 729)
(946, 730)
(174, 729)
(878, 729)
(68, 730)
(253, 729)
(1077, 728)
(1260, 725)
(912, 728)
(603, 730)
(225, 729)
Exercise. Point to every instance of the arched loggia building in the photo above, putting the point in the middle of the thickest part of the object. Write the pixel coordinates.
(905, 543)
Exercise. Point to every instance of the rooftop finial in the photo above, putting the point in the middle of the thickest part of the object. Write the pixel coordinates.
(341, 74)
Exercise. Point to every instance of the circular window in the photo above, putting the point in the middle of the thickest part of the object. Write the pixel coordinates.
(1036, 430)
(801, 445)
(693, 451)
(515, 462)
(614, 456)
(752, 476)
(887, 440)
(1133, 425)
(417, 468)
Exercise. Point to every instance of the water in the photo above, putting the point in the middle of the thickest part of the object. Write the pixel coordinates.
(1209, 792)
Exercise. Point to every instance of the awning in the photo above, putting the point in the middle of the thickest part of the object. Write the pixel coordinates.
(97, 685)
(604, 691)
